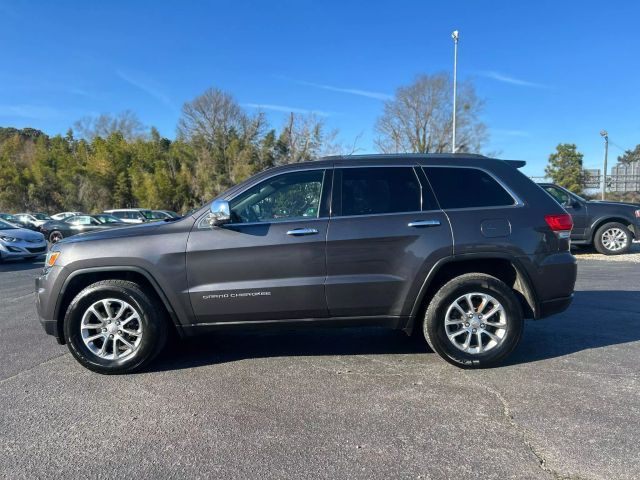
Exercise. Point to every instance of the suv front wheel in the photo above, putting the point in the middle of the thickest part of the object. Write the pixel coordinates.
(113, 326)
(474, 321)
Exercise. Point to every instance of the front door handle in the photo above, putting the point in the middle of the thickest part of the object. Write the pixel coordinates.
(424, 223)
(299, 232)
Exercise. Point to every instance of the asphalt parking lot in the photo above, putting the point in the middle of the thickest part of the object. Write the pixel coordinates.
(332, 403)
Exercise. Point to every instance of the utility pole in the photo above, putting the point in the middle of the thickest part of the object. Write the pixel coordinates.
(604, 134)
(455, 36)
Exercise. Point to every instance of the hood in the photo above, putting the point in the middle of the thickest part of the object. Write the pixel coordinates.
(130, 230)
(22, 234)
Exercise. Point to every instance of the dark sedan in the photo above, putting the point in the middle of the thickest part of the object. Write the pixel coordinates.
(56, 230)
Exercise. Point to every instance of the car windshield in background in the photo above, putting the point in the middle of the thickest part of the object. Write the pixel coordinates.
(41, 216)
(149, 215)
(6, 225)
(157, 215)
(107, 219)
(7, 217)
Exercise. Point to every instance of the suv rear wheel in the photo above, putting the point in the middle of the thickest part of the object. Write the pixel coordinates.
(613, 238)
(474, 321)
(113, 326)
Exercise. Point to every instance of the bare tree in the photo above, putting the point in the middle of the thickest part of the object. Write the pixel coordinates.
(127, 123)
(418, 118)
(211, 115)
(305, 137)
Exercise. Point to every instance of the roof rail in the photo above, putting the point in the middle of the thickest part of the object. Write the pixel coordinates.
(402, 155)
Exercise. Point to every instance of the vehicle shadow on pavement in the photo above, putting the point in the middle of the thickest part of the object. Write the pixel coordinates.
(21, 265)
(226, 347)
(596, 319)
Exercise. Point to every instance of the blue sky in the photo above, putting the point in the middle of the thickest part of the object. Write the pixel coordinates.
(549, 71)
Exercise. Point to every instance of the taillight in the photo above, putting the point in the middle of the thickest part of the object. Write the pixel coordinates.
(637, 213)
(559, 223)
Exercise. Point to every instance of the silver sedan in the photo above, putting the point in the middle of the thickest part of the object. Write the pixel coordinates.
(16, 242)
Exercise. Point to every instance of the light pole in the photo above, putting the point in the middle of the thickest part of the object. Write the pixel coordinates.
(455, 35)
(604, 134)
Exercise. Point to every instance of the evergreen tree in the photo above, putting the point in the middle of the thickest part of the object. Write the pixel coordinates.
(565, 167)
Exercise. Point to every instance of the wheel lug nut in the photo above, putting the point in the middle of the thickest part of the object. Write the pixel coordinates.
(111, 336)
(474, 330)
(119, 332)
(482, 325)
(108, 321)
(466, 324)
(117, 323)
(104, 329)
(480, 317)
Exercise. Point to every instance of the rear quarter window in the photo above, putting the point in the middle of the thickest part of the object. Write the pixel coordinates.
(457, 187)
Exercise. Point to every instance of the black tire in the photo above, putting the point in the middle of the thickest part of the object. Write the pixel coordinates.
(434, 321)
(152, 317)
(55, 236)
(599, 241)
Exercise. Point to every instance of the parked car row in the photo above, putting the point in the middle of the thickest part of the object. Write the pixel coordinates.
(25, 235)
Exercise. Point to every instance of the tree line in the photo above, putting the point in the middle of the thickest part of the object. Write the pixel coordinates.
(114, 161)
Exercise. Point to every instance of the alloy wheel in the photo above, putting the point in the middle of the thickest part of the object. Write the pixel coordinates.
(476, 323)
(614, 239)
(111, 329)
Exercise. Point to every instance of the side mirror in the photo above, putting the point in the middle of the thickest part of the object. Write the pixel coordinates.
(220, 213)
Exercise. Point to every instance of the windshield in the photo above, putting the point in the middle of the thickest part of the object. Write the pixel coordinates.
(148, 214)
(6, 225)
(159, 215)
(41, 216)
(107, 219)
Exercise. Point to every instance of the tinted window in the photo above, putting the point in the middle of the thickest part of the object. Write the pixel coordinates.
(289, 196)
(559, 196)
(466, 188)
(374, 190)
(107, 219)
(81, 220)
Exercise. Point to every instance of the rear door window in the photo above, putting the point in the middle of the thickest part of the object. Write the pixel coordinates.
(459, 187)
(378, 190)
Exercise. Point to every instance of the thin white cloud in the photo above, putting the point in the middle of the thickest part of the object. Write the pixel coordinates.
(287, 109)
(146, 85)
(351, 91)
(501, 77)
(28, 83)
(34, 112)
(510, 133)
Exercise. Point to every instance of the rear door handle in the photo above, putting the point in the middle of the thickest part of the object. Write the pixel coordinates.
(299, 232)
(424, 223)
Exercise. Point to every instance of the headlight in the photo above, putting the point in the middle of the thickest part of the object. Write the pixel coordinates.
(52, 257)
(6, 238)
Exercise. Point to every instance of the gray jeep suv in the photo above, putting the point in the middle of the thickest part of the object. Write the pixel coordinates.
(459, 249)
